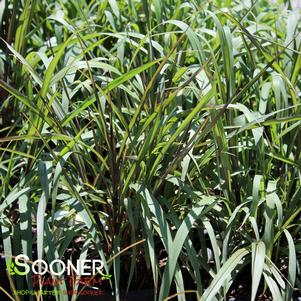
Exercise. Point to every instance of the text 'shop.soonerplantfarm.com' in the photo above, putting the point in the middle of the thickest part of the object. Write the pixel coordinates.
(150, 150)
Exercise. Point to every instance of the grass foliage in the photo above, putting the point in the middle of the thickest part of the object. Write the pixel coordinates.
(174, 124)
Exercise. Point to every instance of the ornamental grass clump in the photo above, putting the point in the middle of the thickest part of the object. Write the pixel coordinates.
(160, 137)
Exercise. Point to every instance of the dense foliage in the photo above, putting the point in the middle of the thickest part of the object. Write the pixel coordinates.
(161, 136)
